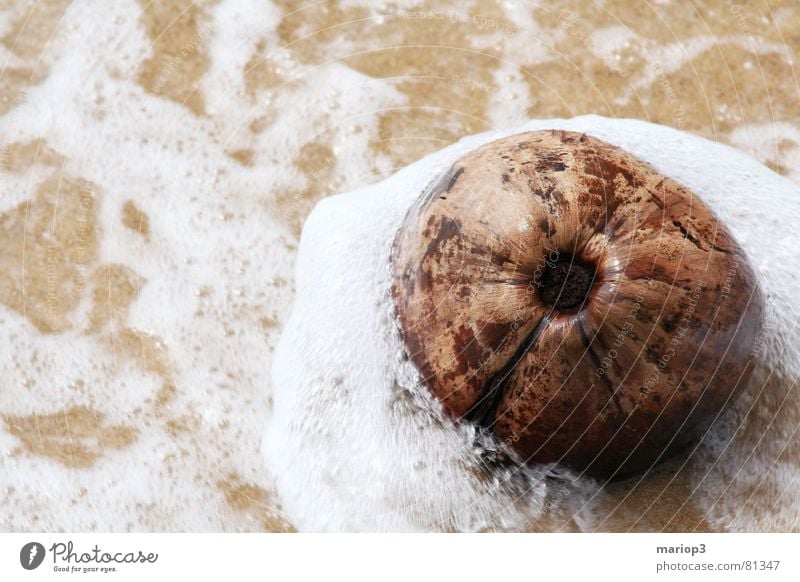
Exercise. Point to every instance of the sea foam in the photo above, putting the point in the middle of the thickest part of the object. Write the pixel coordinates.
(354, 443)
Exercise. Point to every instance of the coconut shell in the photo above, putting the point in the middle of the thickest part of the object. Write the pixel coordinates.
(566, 296)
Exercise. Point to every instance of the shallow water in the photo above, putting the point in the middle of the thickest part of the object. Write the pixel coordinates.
(158, 161)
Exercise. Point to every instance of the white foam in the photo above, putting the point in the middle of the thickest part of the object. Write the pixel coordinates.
(353, 442)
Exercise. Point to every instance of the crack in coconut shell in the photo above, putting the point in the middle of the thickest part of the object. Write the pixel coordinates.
(566, 296)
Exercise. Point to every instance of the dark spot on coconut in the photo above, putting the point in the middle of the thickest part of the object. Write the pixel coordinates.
(445, 183)
(469, 352)
(548, 227)
(614, 225)
(494, 335)
(551, 162)
(668, 324)
(687, 235)
(566, 284)
(644, 268)
(449, 228)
